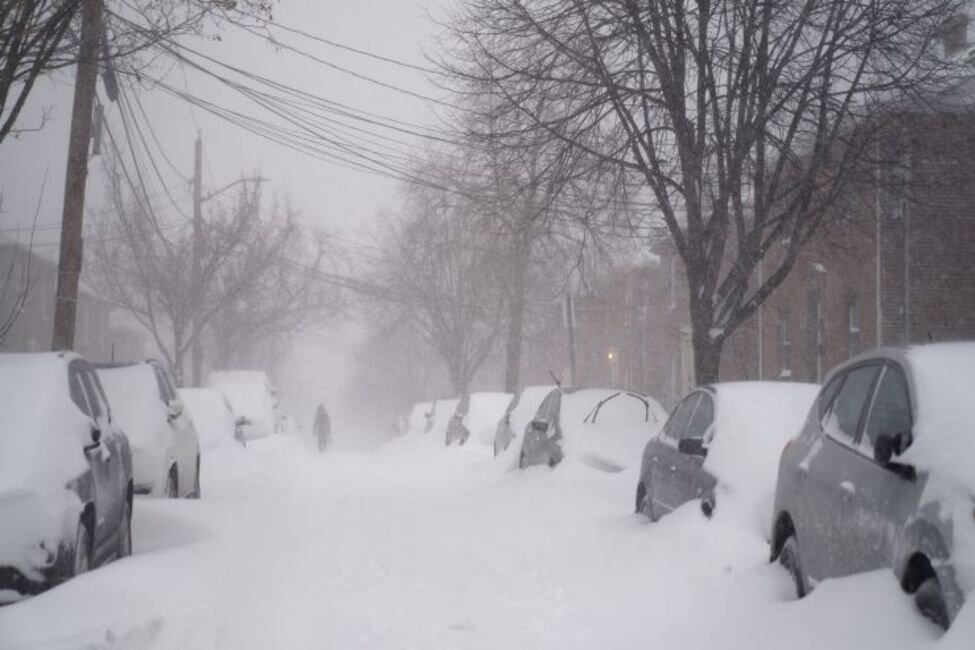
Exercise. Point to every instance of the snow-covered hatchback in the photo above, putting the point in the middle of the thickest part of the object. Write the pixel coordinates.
(65, 473)
(883, 475)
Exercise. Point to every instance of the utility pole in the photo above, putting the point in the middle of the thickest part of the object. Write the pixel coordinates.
(570, 322)
(197, 346)
(76, 178)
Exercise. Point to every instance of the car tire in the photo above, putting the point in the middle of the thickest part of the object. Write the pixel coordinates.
(930, 601)
(196, 493)
(172, 485)
(125, 531)
(789, 559)
(81, 553)
(644, 503)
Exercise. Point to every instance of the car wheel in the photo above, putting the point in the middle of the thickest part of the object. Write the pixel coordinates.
(196, 493)
(81, 559)
(789, 559)
(930, 600)
(172, 485)
(125, 531)
(644, 503)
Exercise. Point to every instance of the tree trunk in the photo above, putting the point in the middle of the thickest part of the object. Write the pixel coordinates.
(516, 325)
(708, 343)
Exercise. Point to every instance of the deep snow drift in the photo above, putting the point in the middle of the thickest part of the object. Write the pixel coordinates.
(420, 546)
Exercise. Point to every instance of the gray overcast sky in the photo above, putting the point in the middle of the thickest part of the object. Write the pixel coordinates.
(336, 198)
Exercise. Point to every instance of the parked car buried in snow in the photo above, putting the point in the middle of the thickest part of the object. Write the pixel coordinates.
(517, 416)
(604, 428)
(883, 476)
(165, 447)
(721, 444)
(65, 473)
(212, 417)
(476, 414)
(253, 399)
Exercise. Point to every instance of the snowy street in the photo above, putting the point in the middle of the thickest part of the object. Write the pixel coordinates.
(417, 546)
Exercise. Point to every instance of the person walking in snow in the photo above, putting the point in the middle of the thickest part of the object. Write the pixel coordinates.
(322, 427)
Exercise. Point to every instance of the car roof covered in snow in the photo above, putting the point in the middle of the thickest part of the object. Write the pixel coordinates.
(249, 391)
(42, 432)
(212, 415)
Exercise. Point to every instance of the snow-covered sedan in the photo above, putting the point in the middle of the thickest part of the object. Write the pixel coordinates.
(165, 447)
(720, 445)
(883, 476)
(212, 416)
(253, 399)
(65, 473)
(604, 428)
(477, 414)
(518, 414)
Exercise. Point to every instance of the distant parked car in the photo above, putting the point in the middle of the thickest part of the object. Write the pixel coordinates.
(517, 416)
(253, 399)
(477, 413)
(416, 422)
(165, 446)
(439, 417)
(604, 428)
(883, 475)
(65, 473)
(213, 417)
(721, 443)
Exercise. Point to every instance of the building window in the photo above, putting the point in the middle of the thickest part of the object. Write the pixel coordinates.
(853, 318)
(955, 37)
(785, 343)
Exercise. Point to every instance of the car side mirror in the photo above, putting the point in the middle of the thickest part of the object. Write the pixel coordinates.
(889, 445)
(692, 447)
(541, 426)
(175, 409)
(96, 438)
(242, 421)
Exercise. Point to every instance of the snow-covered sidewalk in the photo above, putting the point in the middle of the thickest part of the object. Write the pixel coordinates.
(418, 546)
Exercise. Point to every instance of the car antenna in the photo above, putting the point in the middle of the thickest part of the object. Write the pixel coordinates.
(555, 379)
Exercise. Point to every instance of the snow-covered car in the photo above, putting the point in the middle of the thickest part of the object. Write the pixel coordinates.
(65, 473)
(442, 411)
(518, 414)
(721, 444)
(212, 416)
(253, 399)
(165, 447)
(418, 418)
(883, 476)
(477, 414)
(604, 428)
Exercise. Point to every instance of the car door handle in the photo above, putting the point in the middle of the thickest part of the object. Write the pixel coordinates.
(848, 490)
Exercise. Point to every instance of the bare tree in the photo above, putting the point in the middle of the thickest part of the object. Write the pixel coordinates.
(742, 122)
(439, 273)
(144, 266)
(39, 36)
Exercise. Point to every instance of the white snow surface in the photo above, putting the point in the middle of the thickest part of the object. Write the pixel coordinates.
(419, 546)
(483, 412)
(249, 393)
(753, 421)
(620, 432)
(417, 421)
(212, 416)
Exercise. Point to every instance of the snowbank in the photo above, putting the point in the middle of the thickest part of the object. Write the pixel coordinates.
(753, 422)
